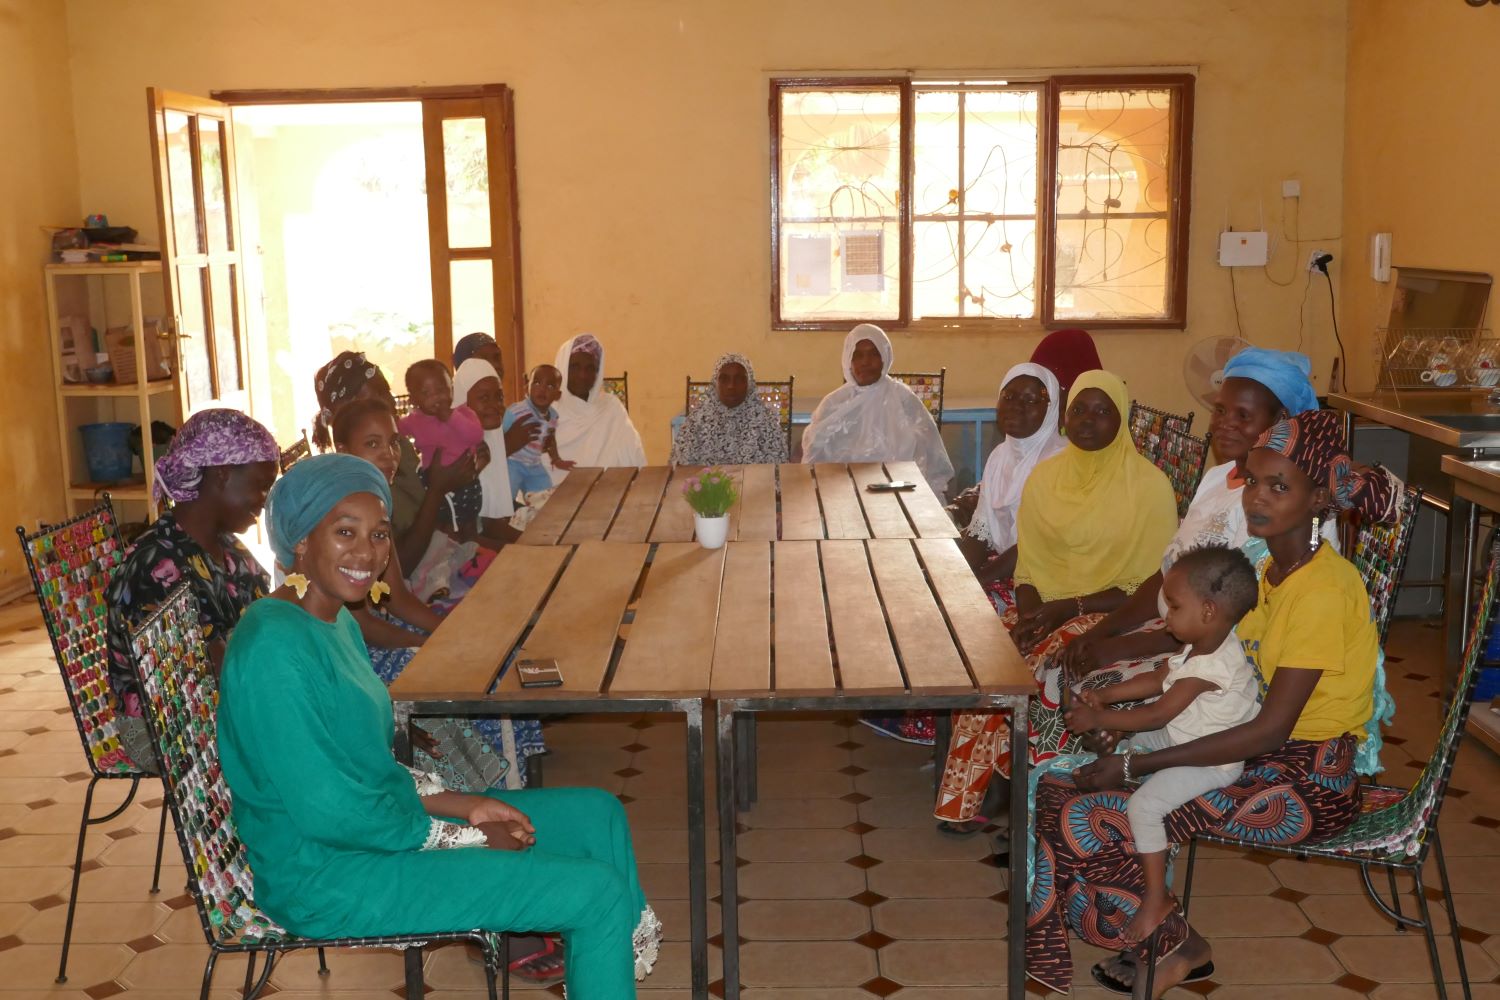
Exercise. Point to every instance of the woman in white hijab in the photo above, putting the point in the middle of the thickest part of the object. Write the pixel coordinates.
(874, 418)
(593, 428)
(477, 386)
(1026, 413)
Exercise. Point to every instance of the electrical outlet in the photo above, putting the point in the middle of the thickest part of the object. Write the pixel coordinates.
(1291, 189)
(1316, 258)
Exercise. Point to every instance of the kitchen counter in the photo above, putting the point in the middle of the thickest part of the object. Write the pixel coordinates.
(1455, 418)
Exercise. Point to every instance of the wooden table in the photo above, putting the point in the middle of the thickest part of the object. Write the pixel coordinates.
(777, 503)
(874, 608)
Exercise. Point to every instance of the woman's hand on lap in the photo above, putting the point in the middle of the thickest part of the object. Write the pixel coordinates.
(484, 810)
(505, 836)
(1101, 775)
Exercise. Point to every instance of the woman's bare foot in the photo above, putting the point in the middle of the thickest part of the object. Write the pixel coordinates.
(1148, 917)
(1173, 969)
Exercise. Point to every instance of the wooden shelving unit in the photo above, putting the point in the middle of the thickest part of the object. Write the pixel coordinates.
(108, 296)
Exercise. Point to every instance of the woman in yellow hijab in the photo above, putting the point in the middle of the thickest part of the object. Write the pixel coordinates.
(1093, 519)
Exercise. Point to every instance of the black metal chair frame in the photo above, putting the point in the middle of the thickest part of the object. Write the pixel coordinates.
(295, 452)
(618, 386)
(1164, 420)
(54, 628)
(181, 607)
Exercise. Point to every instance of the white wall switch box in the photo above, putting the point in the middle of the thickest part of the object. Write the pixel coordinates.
(1291, 189)
(1380, 256)
(1248, 249)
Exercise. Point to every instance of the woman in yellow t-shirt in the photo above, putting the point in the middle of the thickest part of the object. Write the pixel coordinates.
(1315, 646)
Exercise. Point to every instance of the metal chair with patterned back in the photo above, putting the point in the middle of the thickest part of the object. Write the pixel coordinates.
(1398, 827)
(403, 405)
(1379, 553)
(619, 387)
(71, 564)
(181, 702)
(1147, 425)
(777, 396)
(928, 387)
(1182, 457)
(294, 453)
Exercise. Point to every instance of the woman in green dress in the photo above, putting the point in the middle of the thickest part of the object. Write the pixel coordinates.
(343, 840)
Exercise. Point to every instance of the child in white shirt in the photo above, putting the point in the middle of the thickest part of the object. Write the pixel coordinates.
(1208, 687)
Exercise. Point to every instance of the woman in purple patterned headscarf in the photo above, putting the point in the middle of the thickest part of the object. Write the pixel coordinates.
(216, 474)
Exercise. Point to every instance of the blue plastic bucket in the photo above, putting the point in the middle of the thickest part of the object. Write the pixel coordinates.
(106, 449)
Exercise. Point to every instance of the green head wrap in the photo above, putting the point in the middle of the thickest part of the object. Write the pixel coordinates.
(309, 490)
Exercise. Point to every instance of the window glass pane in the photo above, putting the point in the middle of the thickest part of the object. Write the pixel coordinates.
(180, 182)
(1114, 224)
(226, 327)
(976, 158)
(840, 204)
(473, 286)
(192, 339)
(466, 171)
(215, 205)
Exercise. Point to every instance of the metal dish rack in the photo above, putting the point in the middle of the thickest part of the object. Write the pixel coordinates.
(1405, 354)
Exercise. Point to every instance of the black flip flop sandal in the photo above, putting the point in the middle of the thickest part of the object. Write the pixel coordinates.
(1114, 985)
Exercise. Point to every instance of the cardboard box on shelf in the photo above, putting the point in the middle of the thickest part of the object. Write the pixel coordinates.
(119, 341)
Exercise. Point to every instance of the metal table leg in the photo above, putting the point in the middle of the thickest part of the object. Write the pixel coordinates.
(1463, 526)
(728, 871)
(1019, 832)
(697, 849)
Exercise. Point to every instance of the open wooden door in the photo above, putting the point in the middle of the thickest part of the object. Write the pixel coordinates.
(193, 147)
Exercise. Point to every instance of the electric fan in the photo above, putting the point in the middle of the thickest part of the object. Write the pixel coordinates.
(1203, 367)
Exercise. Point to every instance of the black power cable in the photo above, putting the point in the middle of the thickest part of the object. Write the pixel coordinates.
(1334, 313)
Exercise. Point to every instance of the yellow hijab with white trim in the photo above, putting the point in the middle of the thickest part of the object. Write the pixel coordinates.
(1092, 520)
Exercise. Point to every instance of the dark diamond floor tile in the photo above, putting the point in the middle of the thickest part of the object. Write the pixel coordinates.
(859, 828)
(9, 941)
(47, 902)
(1473, 935)
(848, 745)
(146, 943)
(627, 772)
(1290, 895)
(642, 724)
(867, 898)
(855, 797)
(105, 989)
(121, 834)
(1358, 984)
(1488, 822)
(635, 747)
(853, 770)
(881, 986)
(40, 804)
(179, 902)
(1318, 935)
(626, 799)
(873, 940)
(862, 861)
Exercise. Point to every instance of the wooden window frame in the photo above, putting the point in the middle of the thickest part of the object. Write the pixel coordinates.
(1051, 88)
(495, 103)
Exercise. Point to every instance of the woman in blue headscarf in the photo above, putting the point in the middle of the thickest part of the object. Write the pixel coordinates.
(1260, 387)
(343, 840)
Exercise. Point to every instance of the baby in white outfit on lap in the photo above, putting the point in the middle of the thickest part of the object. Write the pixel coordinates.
(1207, 688)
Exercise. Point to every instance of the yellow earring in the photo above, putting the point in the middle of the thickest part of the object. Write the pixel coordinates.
(379, 590)
(297, 582)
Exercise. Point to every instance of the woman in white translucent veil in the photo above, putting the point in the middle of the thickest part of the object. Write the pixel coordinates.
(593, 427)
(873, 417)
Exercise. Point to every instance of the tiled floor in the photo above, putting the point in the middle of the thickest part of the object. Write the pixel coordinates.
(851, 892)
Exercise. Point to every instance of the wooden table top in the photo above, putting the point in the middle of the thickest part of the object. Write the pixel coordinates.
(882, 616)
(777, 503)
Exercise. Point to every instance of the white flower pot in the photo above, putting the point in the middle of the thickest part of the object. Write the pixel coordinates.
(711, 530)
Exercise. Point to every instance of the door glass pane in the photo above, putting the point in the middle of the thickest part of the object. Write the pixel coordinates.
(215, 206)
(180, 182)
(192, 336)
(466, 170)
(473, 285)
(226, 328)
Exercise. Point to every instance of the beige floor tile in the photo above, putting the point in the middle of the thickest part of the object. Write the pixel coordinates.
(64, 817)
(15, 720)
(25, 851)
(798, 845)
(922, 879)
(675, 918)
(1425, 991)
(909, 782)
(14, 916)
(801, 757)
(806, 963)
(943, 963)
(447, 967)
(34, 966)
(1231, 878)
(1349, 914)
(1273, 961)
(816, 729)
(803, 920)
(800, 881)
(1284, 991)
(184, 926)
(132, 883)
(925, 843)
(674, 968)
(669, 846)
(670, 881)
(180, 967)
(973, 993)
(22, 885)
(141, 850)
(791, 993)
(42, 765)
(891, 754)
(800, 814)
(897, 813)
(1247, 916)
(1469, 840)
(10, 739)
(98, 923)
(1402, 958)
(942, 919)
(353, 969)
(803, 784)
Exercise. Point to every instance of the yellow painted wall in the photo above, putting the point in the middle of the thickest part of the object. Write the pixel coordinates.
(642, 133)
(38, 186)
(1422, 124)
